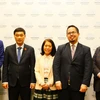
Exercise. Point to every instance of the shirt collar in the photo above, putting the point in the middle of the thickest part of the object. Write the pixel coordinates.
(47, 56)
(74, 44)
(19, 46)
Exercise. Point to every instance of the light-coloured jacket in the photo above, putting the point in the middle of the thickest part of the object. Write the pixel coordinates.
(39, 72)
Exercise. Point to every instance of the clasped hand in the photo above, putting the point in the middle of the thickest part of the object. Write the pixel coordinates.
(45, 86)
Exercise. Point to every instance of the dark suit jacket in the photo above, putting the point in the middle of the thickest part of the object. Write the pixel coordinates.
(80, 67)
(96, 69)
(1, 55)
(23, 70)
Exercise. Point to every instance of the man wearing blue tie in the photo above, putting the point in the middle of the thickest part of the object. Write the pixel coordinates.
(18, 69)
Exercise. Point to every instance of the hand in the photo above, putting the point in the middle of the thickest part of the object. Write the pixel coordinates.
(5, 85)
(32, 85)
(98, 75)
(58, 85)
(83, 88)
(45, 86)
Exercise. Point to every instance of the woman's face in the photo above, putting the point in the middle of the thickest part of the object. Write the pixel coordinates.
(47, 48)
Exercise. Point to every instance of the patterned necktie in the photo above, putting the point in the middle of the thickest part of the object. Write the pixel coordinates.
(19, 54)
(73, 51)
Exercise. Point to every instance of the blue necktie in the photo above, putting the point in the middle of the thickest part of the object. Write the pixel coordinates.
(19, 54)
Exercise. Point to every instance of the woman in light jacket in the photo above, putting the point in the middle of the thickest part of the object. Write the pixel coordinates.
(45, 88)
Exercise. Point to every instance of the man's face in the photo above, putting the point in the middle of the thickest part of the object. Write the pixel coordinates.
(72, 35)
(19, 38)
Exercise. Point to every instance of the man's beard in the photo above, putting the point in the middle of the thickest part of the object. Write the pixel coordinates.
(72, 41)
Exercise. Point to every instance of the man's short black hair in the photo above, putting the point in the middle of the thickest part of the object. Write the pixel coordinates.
(19, 29)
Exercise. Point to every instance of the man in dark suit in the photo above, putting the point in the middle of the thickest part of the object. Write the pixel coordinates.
(72, 67)
(96, 72)
(1, 55)
(18, 76)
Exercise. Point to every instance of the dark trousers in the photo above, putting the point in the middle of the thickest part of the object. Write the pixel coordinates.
(16, 91)
(70, 94)
(98, 95)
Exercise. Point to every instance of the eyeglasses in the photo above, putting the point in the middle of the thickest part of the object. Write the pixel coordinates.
(73, 32)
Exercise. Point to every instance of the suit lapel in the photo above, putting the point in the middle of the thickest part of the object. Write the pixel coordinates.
(68, 50)
(14, 52)
(50, 63)
(24, 51)
(78, 50)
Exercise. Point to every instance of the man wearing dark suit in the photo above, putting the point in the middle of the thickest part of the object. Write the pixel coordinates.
(1, 55)
(18, 76)
(96, 71)
(72, 67)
